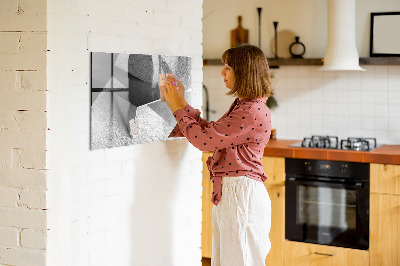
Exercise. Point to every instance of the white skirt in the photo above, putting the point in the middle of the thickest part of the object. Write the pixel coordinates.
(241, 223)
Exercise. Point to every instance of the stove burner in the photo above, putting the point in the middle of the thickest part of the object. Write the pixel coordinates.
(332, 142)
(328, 142)
(358, 144)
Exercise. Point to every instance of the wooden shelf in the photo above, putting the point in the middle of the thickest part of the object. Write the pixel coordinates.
(380, 61)
(274, 63)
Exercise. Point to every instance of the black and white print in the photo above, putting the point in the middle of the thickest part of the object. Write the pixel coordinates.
(126, 105)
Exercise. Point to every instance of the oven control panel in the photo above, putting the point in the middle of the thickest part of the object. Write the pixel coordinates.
(338, 169)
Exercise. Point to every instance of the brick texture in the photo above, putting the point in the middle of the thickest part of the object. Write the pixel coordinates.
(23, 126)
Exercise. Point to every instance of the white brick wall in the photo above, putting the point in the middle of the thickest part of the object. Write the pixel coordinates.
(23, 132)
(136, 205)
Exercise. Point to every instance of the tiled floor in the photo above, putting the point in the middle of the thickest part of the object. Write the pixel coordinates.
(206, 261)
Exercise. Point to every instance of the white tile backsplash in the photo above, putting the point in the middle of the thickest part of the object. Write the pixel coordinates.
(346, 103)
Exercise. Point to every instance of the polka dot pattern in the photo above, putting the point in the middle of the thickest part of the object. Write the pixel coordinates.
(238, 139)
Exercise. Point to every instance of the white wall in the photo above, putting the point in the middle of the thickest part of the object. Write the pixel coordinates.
(306, 19)
(23, 133)
(135, 205)
(311, 102)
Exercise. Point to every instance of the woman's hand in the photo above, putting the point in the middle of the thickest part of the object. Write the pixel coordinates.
(181, 90)
(173, 91)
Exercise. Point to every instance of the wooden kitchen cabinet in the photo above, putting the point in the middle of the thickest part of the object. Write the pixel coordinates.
(384, 215)
(384, 236)
(305, 254)
(274, 168)
(277, 233)
(385, 178)
(206, 225)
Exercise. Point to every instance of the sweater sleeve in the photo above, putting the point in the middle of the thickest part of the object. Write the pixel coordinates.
(229, 131)
(193, 113)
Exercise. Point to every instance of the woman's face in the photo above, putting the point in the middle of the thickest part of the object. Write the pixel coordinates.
(229, 76)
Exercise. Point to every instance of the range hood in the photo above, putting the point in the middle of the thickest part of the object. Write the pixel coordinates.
(341, 51)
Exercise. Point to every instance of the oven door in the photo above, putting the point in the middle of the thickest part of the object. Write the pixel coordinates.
(327, 213)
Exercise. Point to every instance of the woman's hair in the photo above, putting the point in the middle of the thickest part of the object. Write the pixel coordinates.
(250, 66)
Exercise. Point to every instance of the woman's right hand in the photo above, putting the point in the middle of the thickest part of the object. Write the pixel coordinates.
(181, 90)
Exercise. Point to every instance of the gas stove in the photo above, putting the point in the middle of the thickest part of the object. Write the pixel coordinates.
(332, 142)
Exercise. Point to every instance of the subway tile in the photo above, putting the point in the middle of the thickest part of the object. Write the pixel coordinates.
(367, 133)
(342, 96)
(329, 94)
(354, 82)
(355, 109)
(328, 74)
(381, 97)
(381, 123)
(394, 123)
(394, 70)
(367, 82)
(382, 136)
(317, 107)
(291, 71)
(342, 122)
(394, 110)
(329, 122)
(381, 84)
(316, 72)
(329, 109)
(380, 71)
(292, 82)
(342, 109)
(304, 82)
(355, 122)
(367, 96)
(382, 110)
(355, 96)
(304, 72)
(394, 83)
(355, 132)
(394, 97)
(367, 122)
(317, 120)
(394, 137)
(367, 110)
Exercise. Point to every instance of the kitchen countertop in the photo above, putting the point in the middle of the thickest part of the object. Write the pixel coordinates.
(389, 154)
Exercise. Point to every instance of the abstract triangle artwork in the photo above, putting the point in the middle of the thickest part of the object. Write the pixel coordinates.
(126, 105)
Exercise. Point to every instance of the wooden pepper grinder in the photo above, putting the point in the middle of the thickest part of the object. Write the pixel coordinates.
(239, 35)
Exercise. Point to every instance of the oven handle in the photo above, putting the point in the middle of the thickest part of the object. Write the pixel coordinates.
(324, 254)
(357, 185)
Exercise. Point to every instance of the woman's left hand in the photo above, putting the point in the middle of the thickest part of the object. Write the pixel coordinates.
(171, 95)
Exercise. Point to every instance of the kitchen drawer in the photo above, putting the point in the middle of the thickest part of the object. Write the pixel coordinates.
(305, 254)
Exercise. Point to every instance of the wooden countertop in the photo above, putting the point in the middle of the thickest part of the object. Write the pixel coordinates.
(389, 154)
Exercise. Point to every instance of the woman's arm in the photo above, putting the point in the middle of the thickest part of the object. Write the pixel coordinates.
(237, 128)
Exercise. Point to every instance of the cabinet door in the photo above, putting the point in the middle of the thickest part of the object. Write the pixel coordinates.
(304, 254)
(385, 178)
(274, 168)
(277, 233)
(206, 232)
(384, 230)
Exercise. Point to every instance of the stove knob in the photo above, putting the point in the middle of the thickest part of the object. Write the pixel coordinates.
(343, 168)
(308, 166)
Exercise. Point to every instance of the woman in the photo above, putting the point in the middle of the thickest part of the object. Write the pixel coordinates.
(242, 208)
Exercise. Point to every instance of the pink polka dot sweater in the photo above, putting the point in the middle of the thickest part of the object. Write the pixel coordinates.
(238, 139)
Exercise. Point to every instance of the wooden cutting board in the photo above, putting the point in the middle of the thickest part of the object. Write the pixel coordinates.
(239, 35)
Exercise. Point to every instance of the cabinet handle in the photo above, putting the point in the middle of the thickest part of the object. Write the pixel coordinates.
(324, 254)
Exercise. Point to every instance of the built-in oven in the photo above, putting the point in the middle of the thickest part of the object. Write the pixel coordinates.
(327, 202)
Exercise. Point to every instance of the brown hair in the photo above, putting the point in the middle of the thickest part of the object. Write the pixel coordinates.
(250, 66)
